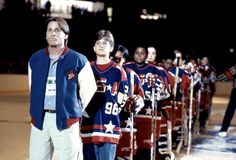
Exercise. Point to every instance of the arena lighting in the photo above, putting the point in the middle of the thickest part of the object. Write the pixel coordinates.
(145, 15)
(63, 7)
(2, 2)
(109, 13)
(231, 50)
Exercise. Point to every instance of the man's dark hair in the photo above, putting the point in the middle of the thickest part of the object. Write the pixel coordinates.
(62, 24)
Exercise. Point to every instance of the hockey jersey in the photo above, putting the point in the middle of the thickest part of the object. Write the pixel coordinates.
(102, 125)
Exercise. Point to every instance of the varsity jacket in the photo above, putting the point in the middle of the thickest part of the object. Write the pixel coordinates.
(75, 86)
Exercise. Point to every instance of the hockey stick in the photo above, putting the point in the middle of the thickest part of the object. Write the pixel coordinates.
(183, 125)
(131, 115)
(154, 123)
(190, 118)
(196, 126)
(169, 144)
(179, 146)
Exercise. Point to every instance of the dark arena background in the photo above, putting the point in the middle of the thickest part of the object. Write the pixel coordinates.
(196, 28)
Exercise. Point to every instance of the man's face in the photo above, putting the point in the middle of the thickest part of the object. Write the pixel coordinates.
(54, 35)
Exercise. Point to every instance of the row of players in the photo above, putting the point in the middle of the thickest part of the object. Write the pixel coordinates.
(161, 124)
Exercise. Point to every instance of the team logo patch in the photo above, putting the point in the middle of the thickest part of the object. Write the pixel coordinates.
(70, 75)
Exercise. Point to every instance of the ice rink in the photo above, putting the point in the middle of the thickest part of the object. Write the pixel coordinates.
(15, 129)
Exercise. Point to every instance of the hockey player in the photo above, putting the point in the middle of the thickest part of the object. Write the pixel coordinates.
(100, 128)
(172, 63)
(151, 55)
(148, 119)
(208, 79)
(164, 145)
(132, 106)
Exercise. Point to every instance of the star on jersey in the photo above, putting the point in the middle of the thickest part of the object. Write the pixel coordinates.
(128, 123)
(109, 87)
(109, 127)
(148, 111)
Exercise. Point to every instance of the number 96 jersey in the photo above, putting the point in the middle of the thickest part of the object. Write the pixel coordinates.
(101, 123)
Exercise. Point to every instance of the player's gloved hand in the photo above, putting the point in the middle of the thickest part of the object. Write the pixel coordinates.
(160, 91)
(130, 104)
(139, 103)
(134, 104)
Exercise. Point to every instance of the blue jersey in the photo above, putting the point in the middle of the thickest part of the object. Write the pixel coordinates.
(137, 83)
(149, 75)
(103, 123)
